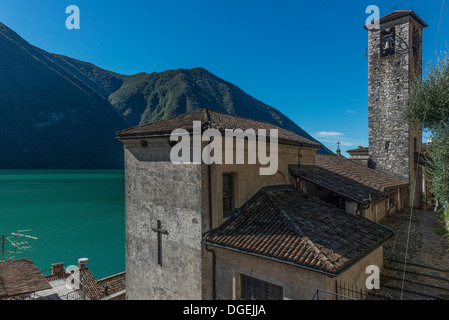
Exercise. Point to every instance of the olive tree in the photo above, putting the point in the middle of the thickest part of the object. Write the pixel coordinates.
(429, 108)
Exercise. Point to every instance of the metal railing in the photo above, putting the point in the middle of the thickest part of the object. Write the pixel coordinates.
(74, 295)
(349, 291)
(324, 293)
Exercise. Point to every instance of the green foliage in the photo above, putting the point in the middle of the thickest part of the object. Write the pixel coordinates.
(429, 100)
(429, 107)
(438, 171)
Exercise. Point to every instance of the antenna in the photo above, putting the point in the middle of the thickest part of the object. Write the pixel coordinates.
(20, 245)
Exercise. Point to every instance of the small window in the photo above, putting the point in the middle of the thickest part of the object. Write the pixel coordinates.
(228, 194)
(255, 289)
(387, 145)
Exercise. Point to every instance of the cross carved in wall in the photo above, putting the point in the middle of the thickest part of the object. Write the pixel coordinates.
(160, 232)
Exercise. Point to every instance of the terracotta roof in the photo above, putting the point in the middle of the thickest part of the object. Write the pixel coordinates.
(212, 119)
(95, 289)
(399, 14)
(348, 178)
(115, 283)
(20, 277)
(283, 224)
(359, 149)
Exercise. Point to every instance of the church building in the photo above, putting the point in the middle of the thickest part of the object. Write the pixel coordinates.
(224, 231)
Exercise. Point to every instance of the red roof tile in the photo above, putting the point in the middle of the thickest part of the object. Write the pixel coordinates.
(96, 289)
(348, 178)
(359, 149)
(20, 277)
(283, 224)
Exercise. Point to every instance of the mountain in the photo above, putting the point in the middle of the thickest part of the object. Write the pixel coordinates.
(144, 98)
(48, 117)
(58, 112)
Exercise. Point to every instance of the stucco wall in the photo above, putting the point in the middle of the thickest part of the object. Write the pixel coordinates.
(160, 190)
(297, 283)
(381, 209)
(355, 277)
(178, 196)
(248, 180)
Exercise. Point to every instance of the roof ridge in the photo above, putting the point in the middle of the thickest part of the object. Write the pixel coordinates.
(300, 233)
(111, 276)
(365, 168)
(242, 117)
(154, 122)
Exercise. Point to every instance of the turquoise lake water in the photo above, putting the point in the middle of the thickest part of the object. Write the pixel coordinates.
(73, 213)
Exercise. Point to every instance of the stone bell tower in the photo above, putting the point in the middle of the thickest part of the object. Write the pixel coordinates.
(394, 62)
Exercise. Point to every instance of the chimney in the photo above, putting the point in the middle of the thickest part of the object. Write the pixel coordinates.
(57, 269)
(82, 263)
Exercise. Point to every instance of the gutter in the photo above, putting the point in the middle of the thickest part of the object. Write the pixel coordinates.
(214, 260)
(330, 274)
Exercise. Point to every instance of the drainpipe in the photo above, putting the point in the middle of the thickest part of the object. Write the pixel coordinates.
(209, 182)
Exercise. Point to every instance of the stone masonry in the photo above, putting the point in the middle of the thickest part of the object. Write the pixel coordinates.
(392, 141)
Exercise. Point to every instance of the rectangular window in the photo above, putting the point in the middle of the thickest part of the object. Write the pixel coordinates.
(255, 289)
(228, 194)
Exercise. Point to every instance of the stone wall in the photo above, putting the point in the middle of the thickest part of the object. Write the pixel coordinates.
(390, 80)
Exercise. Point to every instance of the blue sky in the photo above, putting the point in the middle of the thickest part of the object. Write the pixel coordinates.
(305, 58)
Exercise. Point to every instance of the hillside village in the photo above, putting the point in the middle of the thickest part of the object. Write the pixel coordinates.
(223, 231)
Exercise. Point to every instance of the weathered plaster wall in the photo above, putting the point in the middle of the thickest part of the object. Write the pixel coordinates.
(297, 283)
(160, 190)
(248, 180)
(356, 275)
(384, 208)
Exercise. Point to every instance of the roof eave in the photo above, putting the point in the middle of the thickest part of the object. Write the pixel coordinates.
(410, 14)
(205, 242)
(339, 271)
(280, 141)
(364, 201)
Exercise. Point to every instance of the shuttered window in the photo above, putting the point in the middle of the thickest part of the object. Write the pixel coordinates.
(255, 289)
